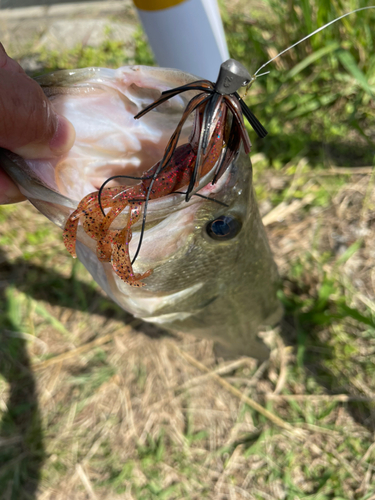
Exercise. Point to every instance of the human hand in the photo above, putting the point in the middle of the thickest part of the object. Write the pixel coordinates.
(28, 124)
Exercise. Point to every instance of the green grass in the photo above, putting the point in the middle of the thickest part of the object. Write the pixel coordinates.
(109, 54)
(320, 91)
(118, 421)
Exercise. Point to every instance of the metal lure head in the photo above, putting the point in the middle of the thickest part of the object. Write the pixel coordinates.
(232, 76)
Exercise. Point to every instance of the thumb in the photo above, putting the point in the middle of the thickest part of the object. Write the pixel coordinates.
(28, 125)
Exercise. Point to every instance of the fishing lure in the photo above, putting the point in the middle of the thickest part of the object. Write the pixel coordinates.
(211, 149)
(232, 76)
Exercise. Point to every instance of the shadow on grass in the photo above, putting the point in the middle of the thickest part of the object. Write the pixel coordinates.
(21, 443)
(21, 436)
(284, 147)
(49, 286)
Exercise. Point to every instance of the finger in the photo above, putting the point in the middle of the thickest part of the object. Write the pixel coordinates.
(28, 125)
(9, 192)
(7, 63)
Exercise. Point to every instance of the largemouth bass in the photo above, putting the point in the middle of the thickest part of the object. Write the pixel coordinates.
(213, 272)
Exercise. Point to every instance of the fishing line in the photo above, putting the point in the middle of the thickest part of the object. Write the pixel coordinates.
(111, 179)
(184, 192)
(305, 38)
(204, 197)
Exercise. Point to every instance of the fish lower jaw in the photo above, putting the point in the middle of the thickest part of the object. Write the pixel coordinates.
(149, 307)
(162, 319)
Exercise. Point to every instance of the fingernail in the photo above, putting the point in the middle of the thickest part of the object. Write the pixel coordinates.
(64, 136)
(7, 62)
(61, 142)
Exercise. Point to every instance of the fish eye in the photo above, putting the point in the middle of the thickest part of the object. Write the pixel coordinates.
(223, 228)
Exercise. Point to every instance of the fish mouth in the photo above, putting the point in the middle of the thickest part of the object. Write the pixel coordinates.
(109, 141)
(101, 105)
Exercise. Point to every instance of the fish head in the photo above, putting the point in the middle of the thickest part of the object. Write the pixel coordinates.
(213, 273)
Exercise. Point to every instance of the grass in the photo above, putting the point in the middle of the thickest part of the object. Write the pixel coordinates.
(110, 54)
(323, 88)
(133, 417)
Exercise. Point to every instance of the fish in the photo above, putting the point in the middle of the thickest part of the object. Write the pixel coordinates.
(215, 139)
(213, 274)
